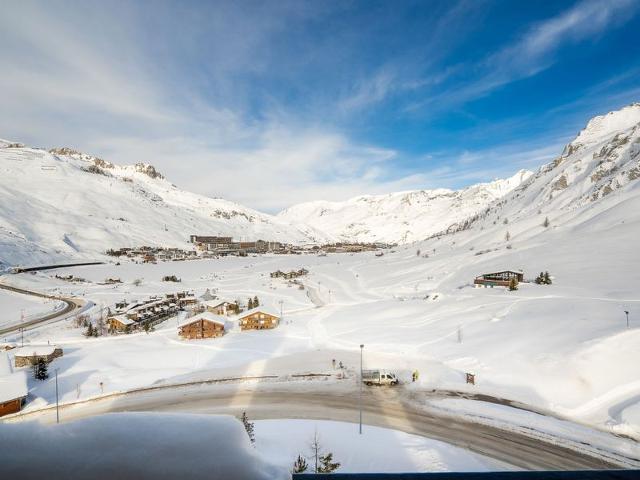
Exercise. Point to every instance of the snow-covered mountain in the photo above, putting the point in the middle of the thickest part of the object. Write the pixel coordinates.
(401, 217)
(602, 160)
(62, 204)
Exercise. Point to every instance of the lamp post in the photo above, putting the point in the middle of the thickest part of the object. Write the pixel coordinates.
(57, 402)
(361, 349)
(626, 312)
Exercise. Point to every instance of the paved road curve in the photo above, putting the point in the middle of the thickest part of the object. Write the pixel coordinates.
(381, 408)
(71, 305)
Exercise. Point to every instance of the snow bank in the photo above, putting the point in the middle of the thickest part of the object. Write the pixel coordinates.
(377, 450)
(136, 446)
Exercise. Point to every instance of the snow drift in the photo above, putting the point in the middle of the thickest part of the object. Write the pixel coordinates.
(135, 446)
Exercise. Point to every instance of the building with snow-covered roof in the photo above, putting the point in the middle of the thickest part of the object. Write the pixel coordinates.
(31, 354)
(498, 279)
(258, 318)
(120, 322)
(203, 325)
(221, 307)
(13, 387)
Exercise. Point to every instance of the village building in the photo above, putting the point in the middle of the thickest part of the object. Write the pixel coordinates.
(258, 319)
(203, 325)
(13, 387)
(30, 355)
(498, 279)
(120, 323)
(220, 307)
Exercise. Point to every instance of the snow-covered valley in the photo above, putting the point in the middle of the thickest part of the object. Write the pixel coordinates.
(564, 350)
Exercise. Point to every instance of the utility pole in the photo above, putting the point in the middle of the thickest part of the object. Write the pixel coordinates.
(626, 312)
(361, 348)
(57, 401)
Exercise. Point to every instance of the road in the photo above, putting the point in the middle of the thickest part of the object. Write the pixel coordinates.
(72, 304)
(381, 407)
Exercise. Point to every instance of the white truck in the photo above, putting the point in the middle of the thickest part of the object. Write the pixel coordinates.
(379, 377)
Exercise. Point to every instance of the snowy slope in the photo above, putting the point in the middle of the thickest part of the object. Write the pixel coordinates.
(63, 204)
(400, 217)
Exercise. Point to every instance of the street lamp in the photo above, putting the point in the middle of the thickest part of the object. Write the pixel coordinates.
(57, 403)
(626, 312)
(361, 348)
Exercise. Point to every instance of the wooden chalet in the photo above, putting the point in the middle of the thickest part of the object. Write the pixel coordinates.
(13, 387)
(120, 323)
(204, 325)
(220, 307)
(258, 319)
(498, 279)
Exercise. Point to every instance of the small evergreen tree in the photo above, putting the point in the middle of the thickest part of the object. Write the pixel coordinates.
(327, 465)
(250, 304)
(146, 327)
(540, 279)
(547, 278)
(513, 285)
(89, 332)
(256, 302)
(248, 426)
(546, 222)
(300, 465)
(507, 236)
(40, 369)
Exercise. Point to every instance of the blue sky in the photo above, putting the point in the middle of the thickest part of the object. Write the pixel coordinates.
(275, 103)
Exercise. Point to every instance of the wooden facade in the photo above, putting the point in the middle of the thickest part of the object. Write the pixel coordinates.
(258, 319)
(202, 326)
(498, 279)
(11, 406)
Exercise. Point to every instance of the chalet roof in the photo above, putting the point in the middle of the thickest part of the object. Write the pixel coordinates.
(13, 385)
(30, 350)
(259, 309)
(206, 316)
(123, 319)
(217, 303)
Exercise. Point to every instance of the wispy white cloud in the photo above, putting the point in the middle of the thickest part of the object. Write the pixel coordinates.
(535, 50)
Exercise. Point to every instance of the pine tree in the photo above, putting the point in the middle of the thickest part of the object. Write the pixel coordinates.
(248, 426)
(547, 278)
(300, 465)
(546, 222)
(146, 327)
(513, 285)
(89, 332)
(250, 304)
(256, 302)
(507, 236)
(327, 465)
(40, 370)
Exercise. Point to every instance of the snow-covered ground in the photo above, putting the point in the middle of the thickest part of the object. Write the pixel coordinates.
(17, 307)
(377, 450)
(135, 446)
(562, 349)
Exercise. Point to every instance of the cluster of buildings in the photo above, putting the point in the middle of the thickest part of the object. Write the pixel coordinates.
(214, 321)
(148, 254)
(289, 275)
(13, 383)
(226, 245)
(132, 316)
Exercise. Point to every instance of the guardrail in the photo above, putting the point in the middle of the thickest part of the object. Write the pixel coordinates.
(51, 267)
(523, 475)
